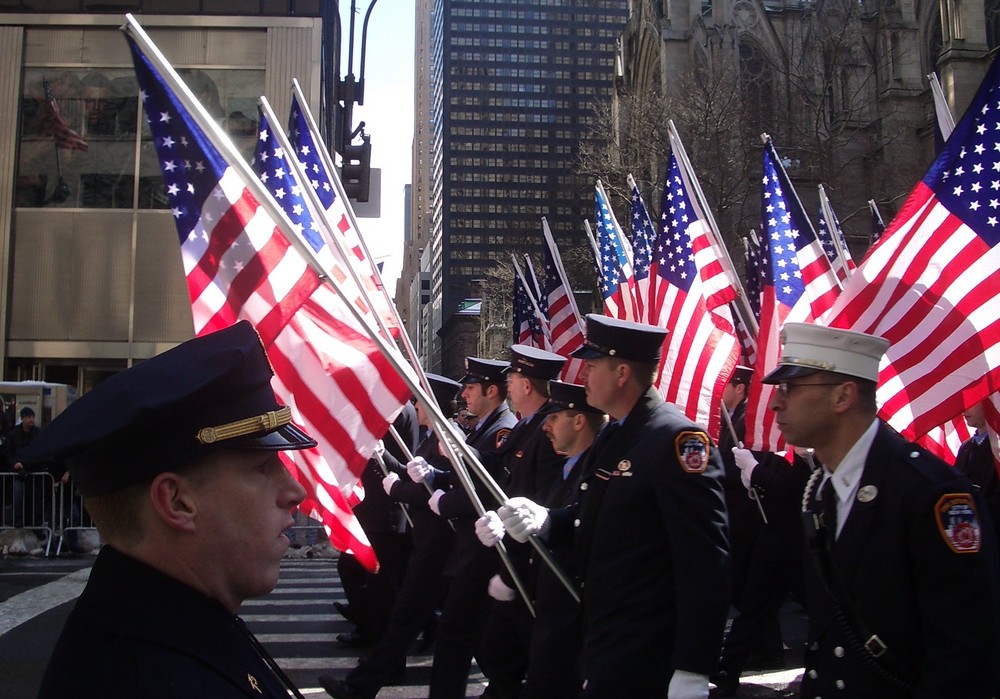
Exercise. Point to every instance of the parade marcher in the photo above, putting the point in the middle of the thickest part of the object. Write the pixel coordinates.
(421, 588)
(557, 631)
(902, 599)
(371, 594)
(177, 461)
(530, 467)
(975, 459)
(649, 529)
(470, 566)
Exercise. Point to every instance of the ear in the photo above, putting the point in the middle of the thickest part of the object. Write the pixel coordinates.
(171, 496)
(845, 396)
(579, 422)
(623, 372)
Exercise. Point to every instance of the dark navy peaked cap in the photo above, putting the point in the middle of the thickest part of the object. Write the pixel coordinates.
(484, 370)
(445, 391)
(535, 363)
(622, 339)
(567, 396)
(210, 392)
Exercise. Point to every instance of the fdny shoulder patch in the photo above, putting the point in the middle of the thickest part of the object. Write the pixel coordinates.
(958, 522)
(502, 436)
(692, 451)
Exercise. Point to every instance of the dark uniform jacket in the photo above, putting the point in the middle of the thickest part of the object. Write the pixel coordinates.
(779, 485)
(136, 632)
(652, 550)
(899, 557)
(976, 461)
(455, 504)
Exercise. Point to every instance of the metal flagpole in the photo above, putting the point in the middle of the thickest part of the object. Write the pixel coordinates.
(834, 230)
(542, 320)
(561, 271)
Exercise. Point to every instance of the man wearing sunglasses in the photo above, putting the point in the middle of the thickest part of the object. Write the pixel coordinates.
(905, 603)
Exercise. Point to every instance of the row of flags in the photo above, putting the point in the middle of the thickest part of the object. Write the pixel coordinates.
(276, 243)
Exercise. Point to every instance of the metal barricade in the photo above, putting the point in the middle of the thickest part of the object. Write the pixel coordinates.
(73, 517)
(29, 502)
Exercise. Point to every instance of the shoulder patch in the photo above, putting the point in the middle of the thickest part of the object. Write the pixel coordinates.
(692, 451)
(958, 522)
(502, 436)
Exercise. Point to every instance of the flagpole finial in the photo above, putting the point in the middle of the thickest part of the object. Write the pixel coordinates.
(765, 137)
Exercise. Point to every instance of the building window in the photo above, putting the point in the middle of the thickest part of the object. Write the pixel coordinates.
(78, 144)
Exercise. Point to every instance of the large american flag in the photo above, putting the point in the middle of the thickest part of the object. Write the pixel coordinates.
(783, 295)
(693, 294)
(643, 236)
(309, 149)
(240, 263)
(931, 286)
(617, 278)
(565, 325)
(65, 137)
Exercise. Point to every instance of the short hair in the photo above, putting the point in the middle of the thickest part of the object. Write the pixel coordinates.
(118, 514)
(644, 372)
(866, 393)
(540, 386)
(27, 412)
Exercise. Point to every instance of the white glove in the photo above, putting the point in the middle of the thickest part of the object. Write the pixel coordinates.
(388, 482)
(489, 529)
(499, 591)
(687, 685)
(746, 462)
(433, 501)
(418, 469)
(523, 518)
(379, 449)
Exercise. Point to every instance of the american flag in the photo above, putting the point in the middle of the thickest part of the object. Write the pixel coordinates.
(693, 294)
(565, 325)
(842, 264)
(878, 225)
(526, 330)
(643, 235)
(240, 263)
(64, 136)
(617, 277)
(932, 284)
(783, 295)
(309, 148)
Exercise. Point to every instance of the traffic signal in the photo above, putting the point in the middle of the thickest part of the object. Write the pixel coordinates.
(356, 170)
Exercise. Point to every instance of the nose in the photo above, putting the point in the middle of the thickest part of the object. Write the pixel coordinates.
(777, 402)
(292, 491)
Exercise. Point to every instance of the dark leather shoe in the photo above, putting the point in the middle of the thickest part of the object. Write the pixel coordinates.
(726, 685)
(354, 639)
(339, 689)
(345, 611)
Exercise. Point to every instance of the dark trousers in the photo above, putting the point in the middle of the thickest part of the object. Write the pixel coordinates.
(418, 596)
(460, 631)
(769, 583)
(554, 665)
(503, 655)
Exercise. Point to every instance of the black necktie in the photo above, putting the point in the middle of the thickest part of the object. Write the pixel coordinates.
(829, 507)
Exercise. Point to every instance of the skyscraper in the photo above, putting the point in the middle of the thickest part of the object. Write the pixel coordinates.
(512, 91)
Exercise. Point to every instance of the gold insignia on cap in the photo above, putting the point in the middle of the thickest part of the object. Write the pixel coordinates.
(624, 465)
(867, 493)
(268, 422)
(253, 683)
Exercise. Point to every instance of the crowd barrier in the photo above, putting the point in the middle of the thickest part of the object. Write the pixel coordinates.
(36, 501)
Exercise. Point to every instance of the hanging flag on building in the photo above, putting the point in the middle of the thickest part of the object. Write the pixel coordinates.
(932, 284)
(241, 261)
(643, 235)
(617, 280)
(65, 137)
(701, 348)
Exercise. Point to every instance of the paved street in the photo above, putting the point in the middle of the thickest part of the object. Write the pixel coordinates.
(296, 623)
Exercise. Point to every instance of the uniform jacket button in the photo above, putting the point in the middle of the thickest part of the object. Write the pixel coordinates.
(839, 651)
(840, 684)
(584, 486)
(576, 523)
(813, 674)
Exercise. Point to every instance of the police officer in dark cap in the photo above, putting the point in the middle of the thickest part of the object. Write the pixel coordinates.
(422, 586)
(649, 529)
(470, 566)
(177, 461)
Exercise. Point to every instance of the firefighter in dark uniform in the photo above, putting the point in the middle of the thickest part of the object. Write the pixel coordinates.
(557, 631)
(976, 461)
(530, 467)
(177, 461)
(649, 528)
(421, 588)
(902, 599)
(470, 566)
